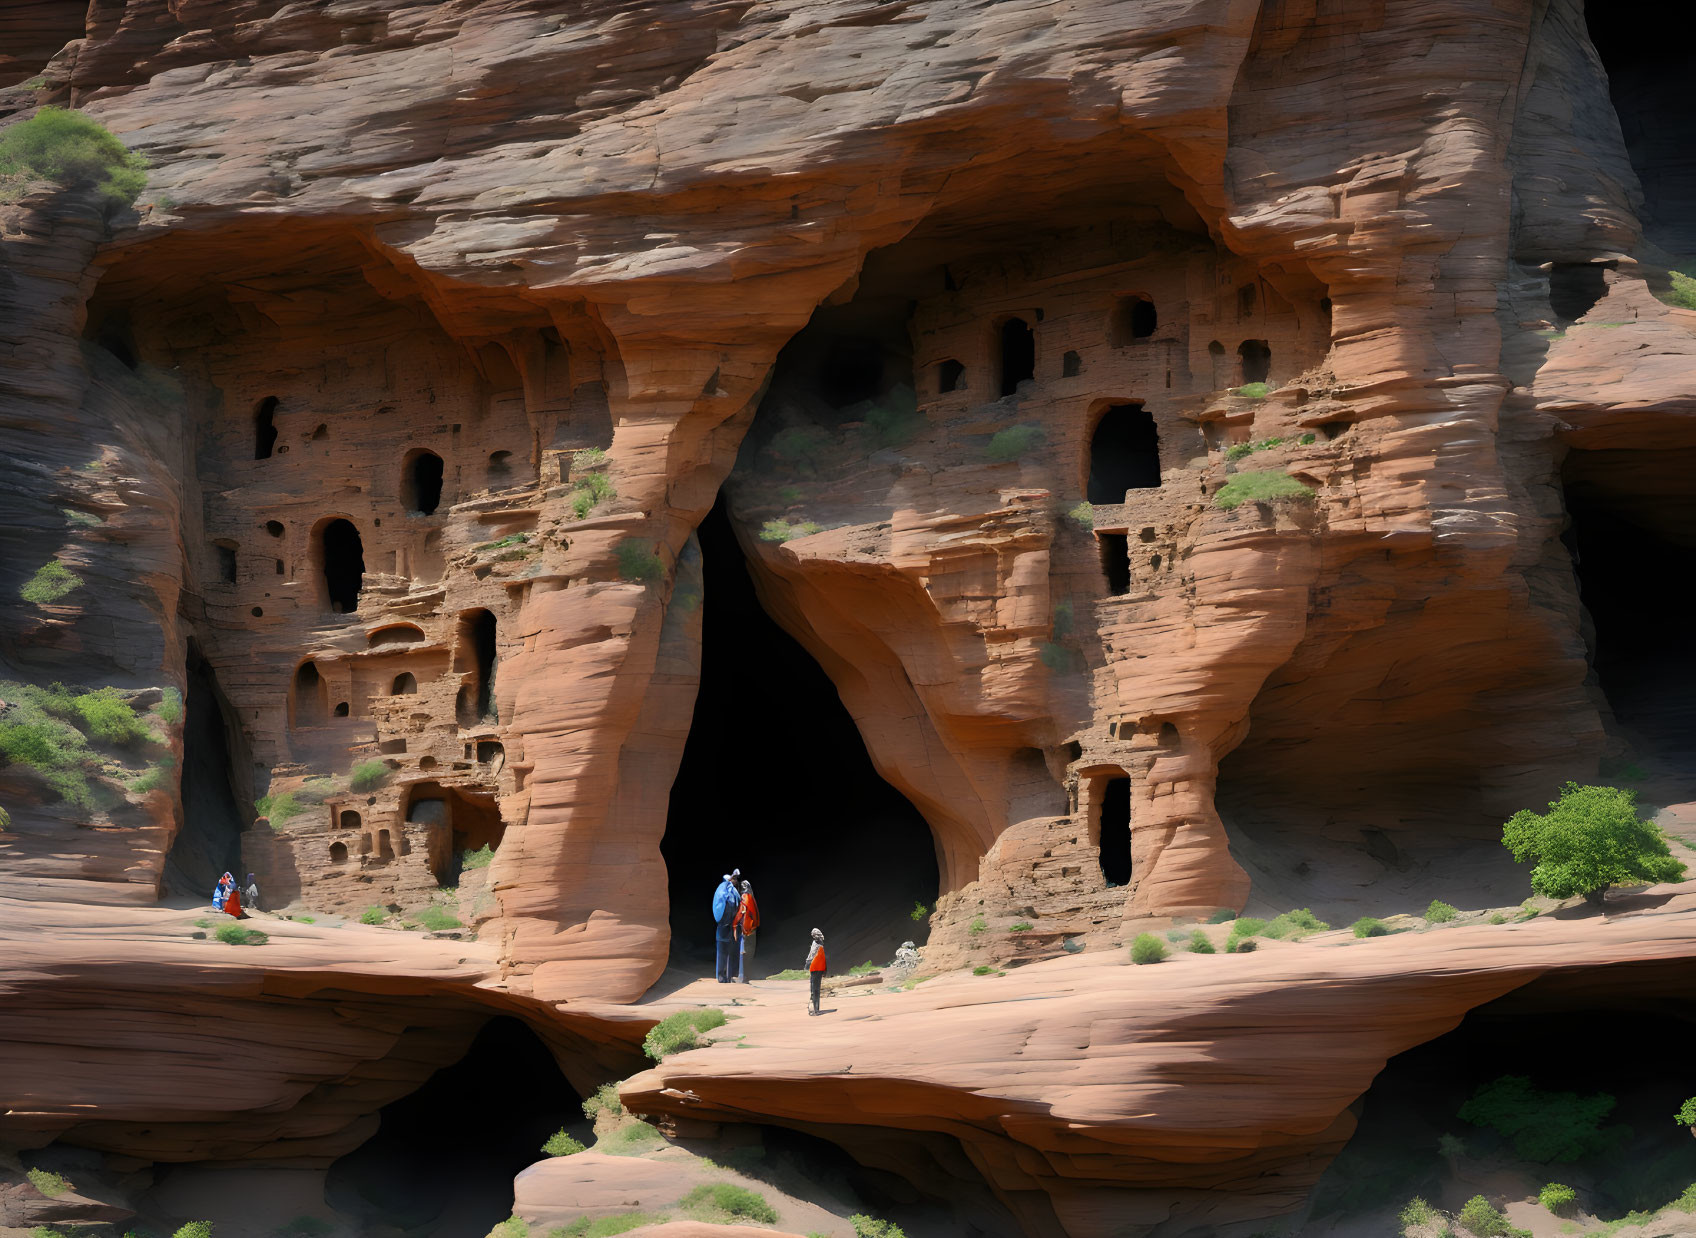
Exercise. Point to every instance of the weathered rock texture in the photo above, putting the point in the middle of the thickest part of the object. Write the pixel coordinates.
(382, 425)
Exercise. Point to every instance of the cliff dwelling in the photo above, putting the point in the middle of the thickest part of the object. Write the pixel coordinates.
(1159, 534)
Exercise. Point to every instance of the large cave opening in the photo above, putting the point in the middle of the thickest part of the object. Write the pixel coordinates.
(775, 780)
(1632, 536)
(442, 1161)
(1124, 453)
(1610, 1032)
(209, 842)
(341, 560)
(1648, 81)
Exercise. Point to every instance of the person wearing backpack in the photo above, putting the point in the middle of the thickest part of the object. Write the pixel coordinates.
(747, 924)
(816, 963)
(727, 900)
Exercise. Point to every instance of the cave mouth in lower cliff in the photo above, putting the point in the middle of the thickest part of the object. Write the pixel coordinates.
(1632, 537)
(209, 842)
(1618, 1030)
(443, 1159)
(775, 780)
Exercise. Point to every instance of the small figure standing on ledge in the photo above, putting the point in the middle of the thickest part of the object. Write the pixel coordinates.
(816, 963)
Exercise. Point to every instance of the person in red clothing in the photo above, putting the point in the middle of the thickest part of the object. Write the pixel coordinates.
(747, 923)
(816, 963)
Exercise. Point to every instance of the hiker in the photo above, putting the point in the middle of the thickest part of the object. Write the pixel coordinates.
(232, 900)
(815, 968)
(726, 901)
(250, 896)
(747, 924)
(221, 891)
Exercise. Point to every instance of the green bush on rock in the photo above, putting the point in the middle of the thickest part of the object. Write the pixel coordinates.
(1591, 838)
(73, 151)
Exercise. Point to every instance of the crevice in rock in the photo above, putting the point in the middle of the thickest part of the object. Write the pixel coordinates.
(210, 840)
(775, 781)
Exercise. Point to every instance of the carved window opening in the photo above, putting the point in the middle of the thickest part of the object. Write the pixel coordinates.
(950, 376)
(1116, 562)
(265, 428)
(1018, 354)
(394, 634)
(385, 850)
(274, 528)
(1134, 318)
(1247, 295)
(1071, 364)
(343, 555)
(489, 750)
(349, 819)
(226, 552)
(1256, 356)
(476, 653)
(341, 709)
(500, 466)
(338, 853)
(406, 684)
(1124, 453)
(421, 482)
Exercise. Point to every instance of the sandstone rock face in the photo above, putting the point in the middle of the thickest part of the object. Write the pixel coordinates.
(1194, 437)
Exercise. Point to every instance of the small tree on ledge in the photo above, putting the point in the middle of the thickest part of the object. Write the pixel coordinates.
(1590, 839)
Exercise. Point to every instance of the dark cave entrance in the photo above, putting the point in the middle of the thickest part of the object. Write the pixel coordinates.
(1018, 354)
(1124, 453)
(265, 428)
(1648, 82)
(442, 1161)
(1116, 562)
(342, 554)
(421, 482)
(1134, 318)
(1110, 825)
(1617, 1031)
(1256, 359)
(209, 843)
(466, 821)
(1632, 538)
(825, 841)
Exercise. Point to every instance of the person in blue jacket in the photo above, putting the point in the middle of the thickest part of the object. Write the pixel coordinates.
(726, 900)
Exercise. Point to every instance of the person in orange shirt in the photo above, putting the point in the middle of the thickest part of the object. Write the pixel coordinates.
(816, 963)
(747, 923)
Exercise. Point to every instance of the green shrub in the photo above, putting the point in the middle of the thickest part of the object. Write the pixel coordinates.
(236, 935)
(1294, 924)
(52, 581)
(1021, 927)
(712, 1200)
(512, 1227)
(1083, 515)
(1221, 916)
(482, 857)
(783, 531)
(107, 716)
(680, 1031)
(1440, 912)
(1480, 1219)
(367, 776)
(588, 458)
(154, 778)
(870, 1227)
(36, 735)
(194, 1229)
(919, 912)
(604, 1100)
(1200, 943)
(637, 561)
(1686, 1202)
(5, 819)
(1416, 1212)
(1307, 439)
(561, 1144)
(1260, 487)
(277, 808)
(1451, 1146)
(1558, 1198)
(1370, 926)
(170, 709)
(49, 1184)
(1682, 291)
(1248, 449)
(1498, 918)
(862, 969)
(983, 969)
(606, 1227)
(1147, 948)
(894, 422)
(438, 919)
(1254, 391)
(1591, 838)
(1243, 927)
(373, 915)
(591, 491)
(73, 151)
(630, 1139)
(1686, 1115)
(788, 973)
(1543, 1126)
(977, 926)
(1006, 446)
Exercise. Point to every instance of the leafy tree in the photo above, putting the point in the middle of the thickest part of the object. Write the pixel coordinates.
(1481, 1220)
(1591, 838)
(1543, 1126)
(1558, 1198)
(1148, 948)
(1686, 1115)
(72, 150)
